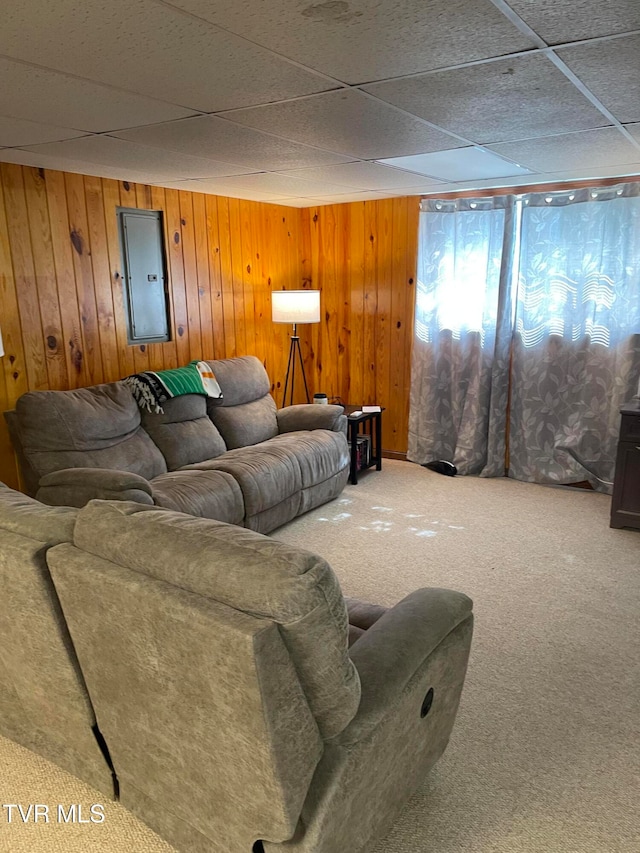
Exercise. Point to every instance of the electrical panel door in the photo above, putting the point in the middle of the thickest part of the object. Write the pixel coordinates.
(141, 235)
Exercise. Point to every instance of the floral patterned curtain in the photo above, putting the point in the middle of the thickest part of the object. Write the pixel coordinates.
(576, 353)
(463, 321)
(531, 305)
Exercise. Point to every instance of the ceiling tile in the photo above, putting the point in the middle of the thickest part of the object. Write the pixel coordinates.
(16, 131)
(460, 164)
(360, 175)
(284, 185)
(220, 186)
(513, 98)
(589, 172)
(611, 70)
(359, 41)
(107, 151)
(634, 130)
(152, 49)
(588, 149)
(572, 20)
(215, 138)
(344, 198)
(37, 94)
(347, 121)
(62, 164)
(296, 202)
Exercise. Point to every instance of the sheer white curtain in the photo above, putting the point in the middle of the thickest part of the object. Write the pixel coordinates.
(531, 305)
(460, 354)
(576, 353)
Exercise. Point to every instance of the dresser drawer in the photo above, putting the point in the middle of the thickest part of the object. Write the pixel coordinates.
(630, 428)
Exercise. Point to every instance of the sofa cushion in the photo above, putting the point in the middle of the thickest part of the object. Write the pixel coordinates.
(241, 380)
(97, 427)
(25, 516)
(246, 423)
(267, 474)
(184, 432)
(246, 571)
(209, 494)
(321, 453)
(248, 412)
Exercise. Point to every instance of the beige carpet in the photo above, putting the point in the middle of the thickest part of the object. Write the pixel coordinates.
(545, 755)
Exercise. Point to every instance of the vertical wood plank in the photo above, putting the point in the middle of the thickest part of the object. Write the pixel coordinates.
(214, 250)
(24, 275)
(248, 273)
(45, 277)
(226, 274)
(264, 326)
(411, 258)
(190, 274)
(168, 348)
(397, 324)
(383, 314)
(370, 301)
(355, 235)
(77, 373)
(110, 204)
(102, 278)
(203, 275)
(176, 267)
(79, 237)
(13, 376)
(237, 292)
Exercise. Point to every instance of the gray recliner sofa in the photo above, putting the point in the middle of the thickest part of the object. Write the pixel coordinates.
(238, 460)
(44, 704)
(242, 703)
(236, 713)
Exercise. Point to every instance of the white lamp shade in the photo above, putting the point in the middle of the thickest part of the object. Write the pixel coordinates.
(295, 306)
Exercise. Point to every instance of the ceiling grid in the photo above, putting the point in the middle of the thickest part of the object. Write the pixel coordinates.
(305, 103)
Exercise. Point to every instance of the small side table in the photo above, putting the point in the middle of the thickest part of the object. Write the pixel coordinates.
(369, 424)
(625, 502)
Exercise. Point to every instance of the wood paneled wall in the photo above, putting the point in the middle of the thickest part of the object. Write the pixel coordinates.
(61, 302)
(363, 258)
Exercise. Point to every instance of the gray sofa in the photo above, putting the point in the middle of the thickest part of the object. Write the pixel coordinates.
(239, 460)
(245, 704)
(44, 704)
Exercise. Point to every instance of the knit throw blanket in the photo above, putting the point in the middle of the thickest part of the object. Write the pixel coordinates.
(153, 388)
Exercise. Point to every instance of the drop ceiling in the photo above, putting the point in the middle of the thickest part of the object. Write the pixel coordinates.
(302, 103)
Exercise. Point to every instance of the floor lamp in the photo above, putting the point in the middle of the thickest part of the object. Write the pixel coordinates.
(295, 306)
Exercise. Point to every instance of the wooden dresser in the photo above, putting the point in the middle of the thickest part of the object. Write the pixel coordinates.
(625, 503)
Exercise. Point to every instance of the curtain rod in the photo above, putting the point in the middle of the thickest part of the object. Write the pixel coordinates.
(584, 183)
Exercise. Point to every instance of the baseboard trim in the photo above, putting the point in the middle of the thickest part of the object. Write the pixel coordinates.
(394, 454)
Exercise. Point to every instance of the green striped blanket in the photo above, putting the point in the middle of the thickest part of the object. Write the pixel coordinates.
(151, 389)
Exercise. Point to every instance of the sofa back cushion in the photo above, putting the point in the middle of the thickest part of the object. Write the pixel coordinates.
(184, 432)
(43, 701)
(95, 427)
(248, 572)
(247, 412)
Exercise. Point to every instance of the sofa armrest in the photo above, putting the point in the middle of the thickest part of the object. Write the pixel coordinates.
(395, 647)
(311, 416)
(77, 486)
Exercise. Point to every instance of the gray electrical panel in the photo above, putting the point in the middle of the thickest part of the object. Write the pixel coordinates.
(144, 279)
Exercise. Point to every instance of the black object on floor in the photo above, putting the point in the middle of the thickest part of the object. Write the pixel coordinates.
(441, 466)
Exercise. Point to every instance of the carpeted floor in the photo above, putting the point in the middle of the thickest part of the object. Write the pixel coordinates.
(545, 755)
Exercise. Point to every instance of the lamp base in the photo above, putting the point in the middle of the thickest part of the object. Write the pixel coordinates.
(294, 350)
